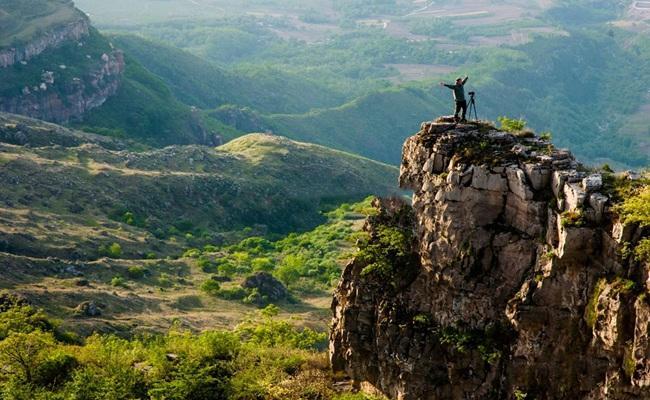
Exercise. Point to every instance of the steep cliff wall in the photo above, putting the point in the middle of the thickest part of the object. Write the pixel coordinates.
(61, 74)
(62, 100)
(507, 278)
(74, 30)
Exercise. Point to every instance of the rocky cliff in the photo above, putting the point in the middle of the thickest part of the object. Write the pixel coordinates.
(71, 31)
(58, 66)
(509, 277)
(63, 100)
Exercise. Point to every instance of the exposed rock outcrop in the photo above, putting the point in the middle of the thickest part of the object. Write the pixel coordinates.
(520, 288)
(71, 99)
(268, 288)
(74, 30)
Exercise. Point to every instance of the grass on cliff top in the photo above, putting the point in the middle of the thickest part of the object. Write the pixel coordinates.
(24, 20)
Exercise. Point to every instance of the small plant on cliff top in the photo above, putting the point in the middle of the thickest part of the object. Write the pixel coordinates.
(636, 208)
(512, 125)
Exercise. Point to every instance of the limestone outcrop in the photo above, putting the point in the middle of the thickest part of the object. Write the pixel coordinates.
(515, 282)
(71, 99)
(73, 30)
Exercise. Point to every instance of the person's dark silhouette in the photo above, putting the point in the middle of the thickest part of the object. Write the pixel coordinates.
(459, 97)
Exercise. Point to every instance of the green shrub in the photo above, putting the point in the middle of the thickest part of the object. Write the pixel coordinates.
(271, 333)
(118, 281)
(207, 266)
(211, 287)
(642, 250)
(164, 280)
(192, 253)
(270, 311)
(262, 264)
(511, 125)
(113, 250)
(136, 272)
(22, 353)
(390, 247)
(572, 219)
(18, 317)
(636, 208)
(54, 370)
(548, 136)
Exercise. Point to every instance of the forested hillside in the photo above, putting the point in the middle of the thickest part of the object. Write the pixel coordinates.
(359, 86)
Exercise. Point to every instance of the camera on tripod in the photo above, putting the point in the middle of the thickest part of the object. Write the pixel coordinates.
(472, 105)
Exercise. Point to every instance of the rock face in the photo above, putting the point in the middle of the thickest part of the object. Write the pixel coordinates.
(55, 95)
(520, 289)
(73, 30)
(75, 97)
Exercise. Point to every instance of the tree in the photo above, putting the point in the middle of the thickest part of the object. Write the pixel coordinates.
(20, 353)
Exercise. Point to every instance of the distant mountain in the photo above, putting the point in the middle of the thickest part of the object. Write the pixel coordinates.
(200, 83)
(66, 192)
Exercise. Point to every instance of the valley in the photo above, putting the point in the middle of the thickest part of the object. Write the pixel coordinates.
(199, 198)
(81, 207)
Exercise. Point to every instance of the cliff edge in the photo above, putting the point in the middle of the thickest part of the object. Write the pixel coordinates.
(512, 275)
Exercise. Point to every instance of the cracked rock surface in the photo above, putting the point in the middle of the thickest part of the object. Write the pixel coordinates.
(520, 288)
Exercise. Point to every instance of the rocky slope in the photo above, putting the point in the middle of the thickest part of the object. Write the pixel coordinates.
(509, 277)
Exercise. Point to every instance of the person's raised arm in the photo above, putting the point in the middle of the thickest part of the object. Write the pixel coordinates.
(465, 80)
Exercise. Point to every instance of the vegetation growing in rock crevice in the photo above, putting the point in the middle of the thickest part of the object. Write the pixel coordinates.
(632, 199)
(386, 248)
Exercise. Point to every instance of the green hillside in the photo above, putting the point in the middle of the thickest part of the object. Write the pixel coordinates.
(147, 229)
(263, 182)
(334, 92)
(24, 20)
(198, 82)
(584, 93)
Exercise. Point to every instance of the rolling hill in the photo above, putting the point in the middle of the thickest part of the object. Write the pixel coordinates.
(76, 204)
(85, 185)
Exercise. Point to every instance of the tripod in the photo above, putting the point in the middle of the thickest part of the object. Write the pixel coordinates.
(472, 106)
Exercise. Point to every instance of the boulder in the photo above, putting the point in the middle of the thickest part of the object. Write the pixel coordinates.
(517, 183)
(88, 309)
(598, 201)
(592, 183)
(538, 175)
(574, 196)
(483, 179)
(268, 287)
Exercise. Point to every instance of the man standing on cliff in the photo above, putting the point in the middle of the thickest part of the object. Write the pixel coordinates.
(459, 97)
